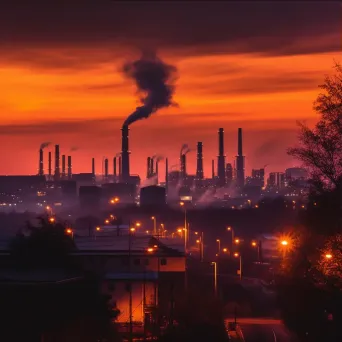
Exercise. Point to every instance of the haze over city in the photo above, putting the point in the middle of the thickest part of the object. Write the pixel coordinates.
(61, 79)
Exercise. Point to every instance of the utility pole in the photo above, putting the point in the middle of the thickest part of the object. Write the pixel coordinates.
(130, 288)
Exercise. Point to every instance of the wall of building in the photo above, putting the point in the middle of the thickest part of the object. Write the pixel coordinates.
(119, 291)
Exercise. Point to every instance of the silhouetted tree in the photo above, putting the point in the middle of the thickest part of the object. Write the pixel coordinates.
(321, 147)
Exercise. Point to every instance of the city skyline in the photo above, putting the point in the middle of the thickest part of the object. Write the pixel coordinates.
(63, 84)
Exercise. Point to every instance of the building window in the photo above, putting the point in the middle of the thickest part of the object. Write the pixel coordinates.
(146, 262)
(136, 262)
(163, 262)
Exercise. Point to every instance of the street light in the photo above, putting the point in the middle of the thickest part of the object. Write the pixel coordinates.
(328, 256)
(214, 263)
(230, 229)
(219, 245)
(154, 225)
(186, 235)
(225, 250)
(257, 245)
(237, 241)
(69, 231)
(138, 224)
(237, 255)
(51, 219)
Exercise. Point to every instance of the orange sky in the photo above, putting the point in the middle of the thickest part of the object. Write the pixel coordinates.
(84, 103)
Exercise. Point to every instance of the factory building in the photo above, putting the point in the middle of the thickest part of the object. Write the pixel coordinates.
(153, 196)
(90, 197)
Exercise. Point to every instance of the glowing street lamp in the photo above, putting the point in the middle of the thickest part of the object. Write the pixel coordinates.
(106, 221)
(150, 250)
(153, 218)
(132, 229)
(328, 256)
(254, 244)
(138, 224)
(237, 255)
(52, 220)
(97, 229)
(219, 245)
(237, 241)
(284, 243)
(225, 250)
(69, 231)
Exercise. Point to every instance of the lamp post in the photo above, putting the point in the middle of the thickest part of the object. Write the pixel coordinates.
(237, 255)
(214, 263)
(257, 245)
(219, 245)
(97, 229)
(186, 233)
(231, 230)
(70, 232)
(153, 218)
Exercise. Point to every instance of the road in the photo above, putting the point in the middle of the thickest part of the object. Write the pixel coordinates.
(264, 330)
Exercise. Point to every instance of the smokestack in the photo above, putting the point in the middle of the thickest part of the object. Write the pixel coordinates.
(114, 167)
(93, 166)
(152, 167)
(166, 174)
(213, 169)
(240, 142)
(106, 168)
(69, 168)
(199, 169)
(120, 169)
(221, 172)
(240, 162)
(183, 165)
(63, 166)
(50, 165)
(57, 169)
(41, 163)
(125, 153)
(148, 174)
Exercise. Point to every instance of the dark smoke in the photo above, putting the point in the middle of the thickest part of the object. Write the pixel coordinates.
(45, 144)
(184, 148)
(74, 148)
(154, 79)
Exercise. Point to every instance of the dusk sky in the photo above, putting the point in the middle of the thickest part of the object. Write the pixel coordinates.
(253, 65)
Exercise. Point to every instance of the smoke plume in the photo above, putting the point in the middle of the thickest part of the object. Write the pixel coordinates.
(184, 148)
(157, 158)
(74, 148)
(154, 79)
(45, 144)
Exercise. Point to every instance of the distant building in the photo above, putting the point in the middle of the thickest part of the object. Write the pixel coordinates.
(258, 177)
(152, 196)
(276, 180)
(296, 173)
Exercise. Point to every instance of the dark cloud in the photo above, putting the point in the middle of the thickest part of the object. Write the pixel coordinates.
(265, 27)
(263, 84)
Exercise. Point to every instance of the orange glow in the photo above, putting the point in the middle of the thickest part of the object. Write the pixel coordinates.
(98, 229)
(236, 255)
(51, 219)
(254, 244)
(229, 229)
(284, 242)
(147, 231)
(138, 224)
(106, 221)
(179, 230)
(198, 241)
(237, 241)
(155, 246)
(68, 231)
(132, 229)
(205, 92)
(150, 250)
(225, 250)
(181, 204)
(328, 256)
(196, 233)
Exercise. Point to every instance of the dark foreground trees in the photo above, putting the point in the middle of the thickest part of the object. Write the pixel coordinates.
(310, 287)
(46, 296)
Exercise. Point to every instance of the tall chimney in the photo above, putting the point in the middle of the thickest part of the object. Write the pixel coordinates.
(114, 167)
(213, 169)
(166, 174)
(239, 141)
(69, 168)
(183, 165)
(57, 169)
(50, 165)
(93, 166)
(106, 168)
(240, 162)
(120, 168)
(41, 163)
(221, 173)
(152, 167)
(63, 166)
(199, 169)
(148, 173)
(125, 153)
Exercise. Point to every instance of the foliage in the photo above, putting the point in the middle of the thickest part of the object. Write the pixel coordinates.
(331, 268)
(321, 147)
(45, 245)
